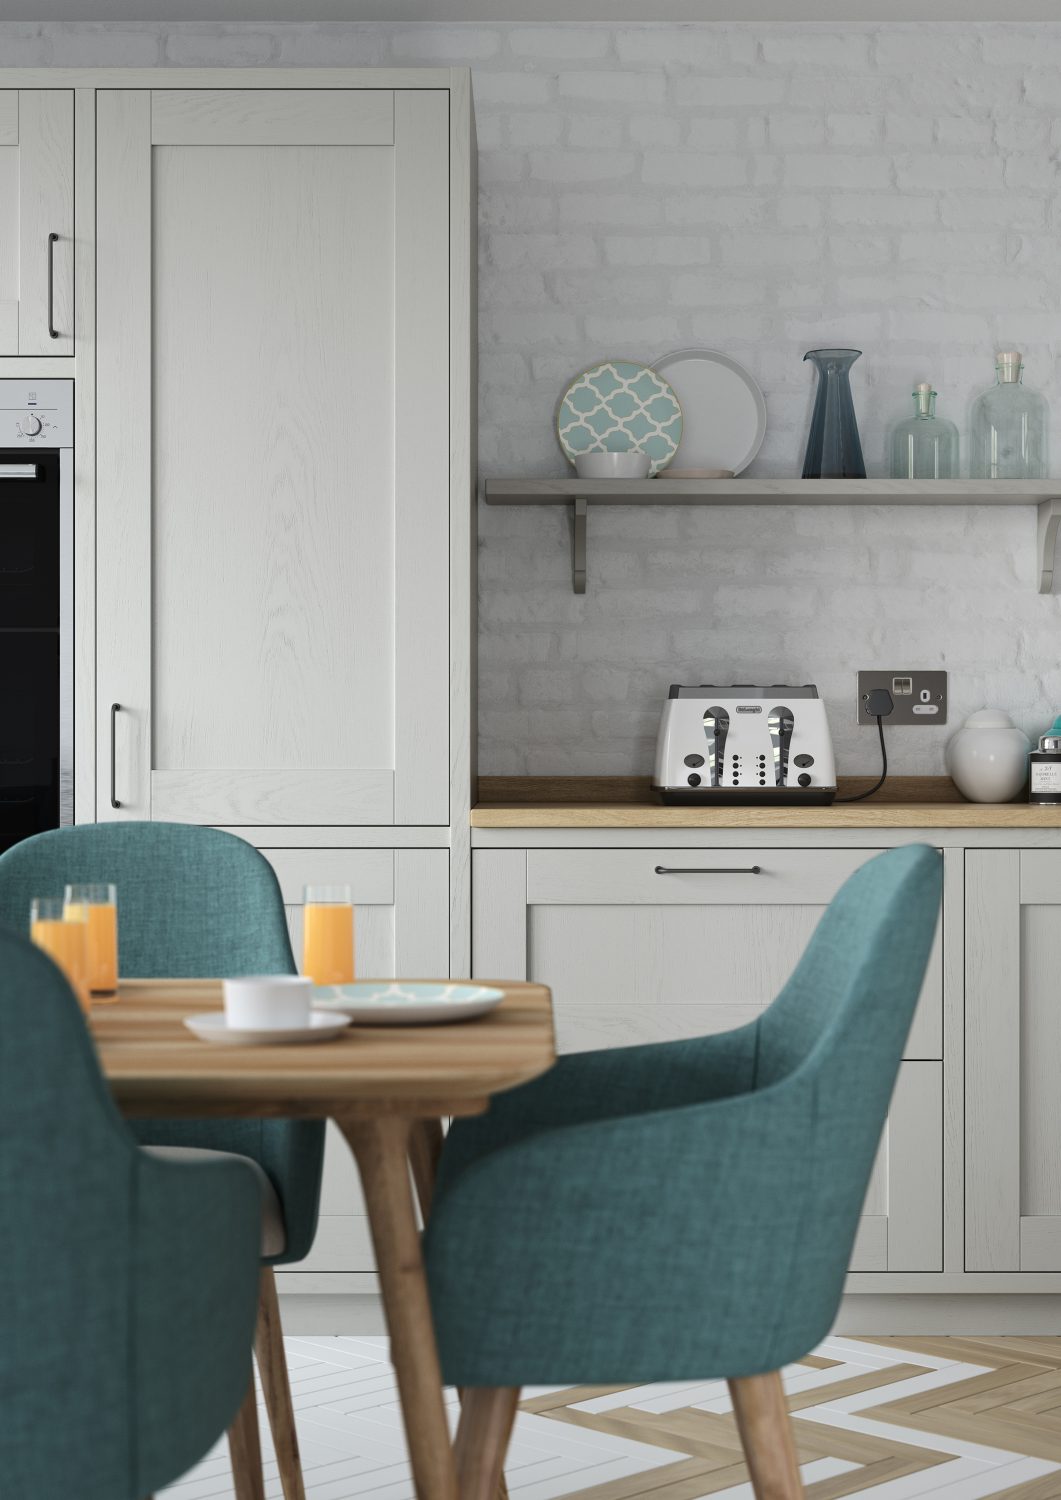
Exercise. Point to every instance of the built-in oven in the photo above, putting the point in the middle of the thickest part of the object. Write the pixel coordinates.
(36, 607)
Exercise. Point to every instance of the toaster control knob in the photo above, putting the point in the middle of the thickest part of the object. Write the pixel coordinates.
(694, 760)
(804, 779)
(694, 780)
(803, 760)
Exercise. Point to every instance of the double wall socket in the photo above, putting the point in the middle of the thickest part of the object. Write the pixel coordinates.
(918, 697)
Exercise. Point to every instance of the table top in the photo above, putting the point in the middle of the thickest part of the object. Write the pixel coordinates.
(156, 1066)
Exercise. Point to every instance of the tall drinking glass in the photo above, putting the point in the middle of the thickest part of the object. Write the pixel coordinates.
(328, 934)
(99, 904)
(65, 940)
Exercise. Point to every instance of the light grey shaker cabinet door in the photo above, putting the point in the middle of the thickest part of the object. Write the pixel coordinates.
(401, 926)
(273, 456)
(1012, 1060)
(36, 221)
(635, 956)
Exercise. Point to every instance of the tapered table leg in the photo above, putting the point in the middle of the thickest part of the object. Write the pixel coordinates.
(425, 1149)
(381, 1149)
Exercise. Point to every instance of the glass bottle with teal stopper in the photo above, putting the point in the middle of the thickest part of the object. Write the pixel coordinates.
(1009, 426)
(926, 446)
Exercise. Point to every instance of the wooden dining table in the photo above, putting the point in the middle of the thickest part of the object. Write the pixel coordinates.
(388, 1088)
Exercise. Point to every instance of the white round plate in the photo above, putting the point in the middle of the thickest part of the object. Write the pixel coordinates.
(211, 1027)
(380, 1004)
(723, 411)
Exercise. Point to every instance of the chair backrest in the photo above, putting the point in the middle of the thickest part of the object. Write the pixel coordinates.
(827, 1056)
(121, 1360)
(192, 902)
(67, 1185)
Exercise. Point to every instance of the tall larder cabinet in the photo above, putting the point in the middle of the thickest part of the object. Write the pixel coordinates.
(284, 496)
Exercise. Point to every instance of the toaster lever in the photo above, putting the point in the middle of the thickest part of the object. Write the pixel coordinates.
(781, 725)
(716, 728)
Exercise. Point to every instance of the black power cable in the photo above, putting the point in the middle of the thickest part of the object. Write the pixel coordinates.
(858, 797)
(879, 703)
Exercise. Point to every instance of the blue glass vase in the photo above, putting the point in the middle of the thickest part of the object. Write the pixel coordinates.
(834, 449)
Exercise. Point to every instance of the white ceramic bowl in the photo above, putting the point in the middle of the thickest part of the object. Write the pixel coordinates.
(268, 1002)
(630, 465)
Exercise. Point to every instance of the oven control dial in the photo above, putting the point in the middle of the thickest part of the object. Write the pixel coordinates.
(31, 425)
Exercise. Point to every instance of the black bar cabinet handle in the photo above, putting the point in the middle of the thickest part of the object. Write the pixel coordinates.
(53, 332)
(709, 870)
(116, 709)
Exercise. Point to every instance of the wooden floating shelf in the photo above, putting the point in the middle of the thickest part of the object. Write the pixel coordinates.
(580, 494)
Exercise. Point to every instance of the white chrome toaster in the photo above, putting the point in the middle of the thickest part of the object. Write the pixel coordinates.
(744, 744)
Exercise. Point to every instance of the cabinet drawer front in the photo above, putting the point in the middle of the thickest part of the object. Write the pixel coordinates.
(633, 955)
(694, 877)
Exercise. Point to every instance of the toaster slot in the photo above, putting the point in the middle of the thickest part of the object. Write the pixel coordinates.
(716, 729)
(781, 724)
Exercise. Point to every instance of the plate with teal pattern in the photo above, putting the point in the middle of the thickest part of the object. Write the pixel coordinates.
(620, 406)
(382, 1002)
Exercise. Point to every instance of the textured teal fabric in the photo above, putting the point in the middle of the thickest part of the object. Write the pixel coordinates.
(192, 903)
(686, 1210)
(125, 1350)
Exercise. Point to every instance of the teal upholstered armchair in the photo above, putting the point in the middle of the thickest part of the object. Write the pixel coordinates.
(124, 1350)
(685, 1210)
(194, 902)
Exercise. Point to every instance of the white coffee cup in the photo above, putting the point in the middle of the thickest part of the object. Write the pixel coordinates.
(268, 1002)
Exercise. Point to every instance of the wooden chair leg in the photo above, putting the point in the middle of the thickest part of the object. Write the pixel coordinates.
(766, 1435)
(245, 1448)
(272, 1367)
(487, 1415)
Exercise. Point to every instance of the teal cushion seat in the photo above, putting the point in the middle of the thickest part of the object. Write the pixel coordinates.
(125, 1351)
(192, 903)
(686, 1210)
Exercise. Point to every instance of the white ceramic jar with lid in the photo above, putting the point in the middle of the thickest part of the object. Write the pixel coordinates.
(988, 758)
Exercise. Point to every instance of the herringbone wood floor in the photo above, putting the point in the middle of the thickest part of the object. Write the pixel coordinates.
(891, 1418)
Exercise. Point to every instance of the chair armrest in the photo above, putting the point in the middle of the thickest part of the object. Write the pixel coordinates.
(586, 1086)
(684, 1243)
(195, 1269)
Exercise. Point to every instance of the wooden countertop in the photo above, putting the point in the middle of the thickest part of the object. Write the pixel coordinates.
(628, 802)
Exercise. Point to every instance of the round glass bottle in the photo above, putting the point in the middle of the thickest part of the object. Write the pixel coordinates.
(926, 446)
(1009, 426)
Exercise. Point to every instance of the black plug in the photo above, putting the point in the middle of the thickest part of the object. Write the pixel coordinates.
(879, 702)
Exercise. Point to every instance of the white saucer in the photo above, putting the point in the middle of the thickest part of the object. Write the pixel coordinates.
(378, 1003)
(211, 1027)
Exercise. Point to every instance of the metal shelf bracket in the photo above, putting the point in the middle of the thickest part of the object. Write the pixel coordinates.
(578, 546)
(1049, 518)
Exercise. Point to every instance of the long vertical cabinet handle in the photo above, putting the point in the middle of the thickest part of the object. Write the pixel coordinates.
(116, 709)
(53, 332)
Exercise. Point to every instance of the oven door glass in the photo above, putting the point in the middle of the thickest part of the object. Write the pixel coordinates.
(29, 733)
(29, 538)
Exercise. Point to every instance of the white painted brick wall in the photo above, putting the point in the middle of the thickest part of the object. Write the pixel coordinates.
(762, 189)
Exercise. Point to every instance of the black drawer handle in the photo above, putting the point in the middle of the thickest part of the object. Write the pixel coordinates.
(709, 870)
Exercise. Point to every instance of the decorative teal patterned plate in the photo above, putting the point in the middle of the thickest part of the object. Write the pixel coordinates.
(620, 407)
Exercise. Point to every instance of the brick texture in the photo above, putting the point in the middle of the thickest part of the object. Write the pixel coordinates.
(763, 190)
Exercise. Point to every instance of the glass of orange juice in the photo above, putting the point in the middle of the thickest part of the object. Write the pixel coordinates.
(65, 940)
(99, 904)
(328, 934)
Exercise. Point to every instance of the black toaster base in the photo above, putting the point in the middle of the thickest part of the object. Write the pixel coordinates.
(747, 796)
